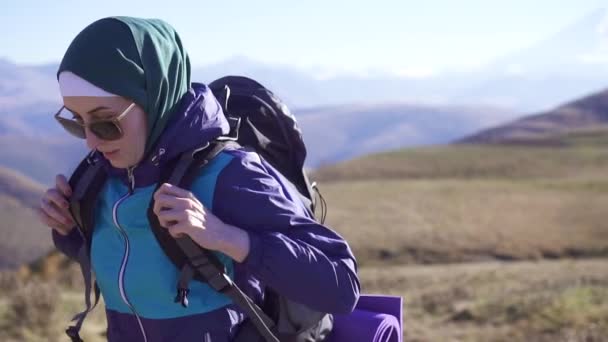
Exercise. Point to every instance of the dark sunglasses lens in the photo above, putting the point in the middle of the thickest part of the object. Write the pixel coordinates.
(106, 130)
(72, 127)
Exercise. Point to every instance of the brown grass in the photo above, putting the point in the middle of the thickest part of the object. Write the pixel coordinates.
(473, 202)
(22, 237)
(563, 300)
(472, 162)
(438, 221)
(31, 313)
(38, 304)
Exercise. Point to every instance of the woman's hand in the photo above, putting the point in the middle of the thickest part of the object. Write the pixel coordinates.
(54, 207)
(181, 213)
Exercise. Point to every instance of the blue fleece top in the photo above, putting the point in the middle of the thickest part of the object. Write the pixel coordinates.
(298, 257)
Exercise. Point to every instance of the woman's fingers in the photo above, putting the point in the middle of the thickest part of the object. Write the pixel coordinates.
(54, 207)
(51, 210)
(164, 201)
(179, 229)
(175, 221)
(176, 191)
(173, 191)
(61, 228)
(53, 196)
(63, 185)
(168, 218)
(177, 210)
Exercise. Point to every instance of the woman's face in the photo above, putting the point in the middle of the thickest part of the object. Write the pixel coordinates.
(124, 152)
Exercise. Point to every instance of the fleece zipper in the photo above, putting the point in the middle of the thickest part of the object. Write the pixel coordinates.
(125, 258)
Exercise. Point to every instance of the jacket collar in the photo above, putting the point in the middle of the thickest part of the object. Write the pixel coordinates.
(198, 121)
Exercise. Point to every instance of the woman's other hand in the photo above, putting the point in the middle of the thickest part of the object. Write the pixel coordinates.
(54, 207)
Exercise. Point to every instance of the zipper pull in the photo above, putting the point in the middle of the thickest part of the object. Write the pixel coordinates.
(182, 296)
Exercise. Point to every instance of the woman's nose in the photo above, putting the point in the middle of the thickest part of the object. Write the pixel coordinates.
(92, 140)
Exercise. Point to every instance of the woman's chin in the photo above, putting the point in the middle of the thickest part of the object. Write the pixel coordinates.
(120, 160)
(117, 164)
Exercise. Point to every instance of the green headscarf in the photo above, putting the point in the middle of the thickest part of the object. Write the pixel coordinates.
(140, 59)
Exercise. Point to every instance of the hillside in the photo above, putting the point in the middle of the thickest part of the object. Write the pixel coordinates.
(339, 133)
(41, 158)
(23, 238)
(586, 114)
(576, 155)
(473, 202)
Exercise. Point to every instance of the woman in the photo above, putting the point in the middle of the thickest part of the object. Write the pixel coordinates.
(132, 75)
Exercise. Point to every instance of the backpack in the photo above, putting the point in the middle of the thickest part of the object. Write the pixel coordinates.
(260, 121)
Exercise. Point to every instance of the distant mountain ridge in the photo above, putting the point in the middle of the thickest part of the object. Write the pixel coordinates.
(570, 63)
(34, 144)
(587, 114)
(339, 133)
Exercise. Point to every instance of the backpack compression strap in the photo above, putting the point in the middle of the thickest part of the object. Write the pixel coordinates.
(200, 261)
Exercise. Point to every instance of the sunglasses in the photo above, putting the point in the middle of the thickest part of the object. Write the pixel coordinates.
(104, 129)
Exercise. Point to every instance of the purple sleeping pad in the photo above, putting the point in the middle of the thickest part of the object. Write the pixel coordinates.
(376, 318)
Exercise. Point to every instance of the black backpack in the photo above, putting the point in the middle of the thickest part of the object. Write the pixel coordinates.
(266, 125)
(258, 120)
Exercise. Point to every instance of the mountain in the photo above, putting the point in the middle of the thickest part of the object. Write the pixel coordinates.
(41, 158)
(303, 89)
(583, 115)
(570, 63)
(22, 86)
(24, 238)
(338, 133)
(32, 142)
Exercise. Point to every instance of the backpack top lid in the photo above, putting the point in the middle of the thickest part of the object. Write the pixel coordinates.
(267, 126)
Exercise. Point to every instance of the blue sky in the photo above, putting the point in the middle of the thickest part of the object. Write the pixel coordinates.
(404, 36)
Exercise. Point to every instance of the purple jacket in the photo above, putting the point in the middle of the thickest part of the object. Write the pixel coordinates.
(290, 252)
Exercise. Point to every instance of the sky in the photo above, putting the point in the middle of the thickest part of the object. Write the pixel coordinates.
(401, 36)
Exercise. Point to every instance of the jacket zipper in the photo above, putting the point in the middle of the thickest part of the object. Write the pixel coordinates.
(125, 258)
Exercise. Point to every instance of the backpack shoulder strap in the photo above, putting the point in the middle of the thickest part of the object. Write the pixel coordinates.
(86, 182)
(181, 172)
(195, 261)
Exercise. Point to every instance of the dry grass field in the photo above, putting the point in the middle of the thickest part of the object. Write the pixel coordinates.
(552, 301)
(547, 300)
(442, 221)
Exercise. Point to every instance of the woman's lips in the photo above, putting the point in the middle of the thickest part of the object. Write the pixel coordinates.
(110, 154)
